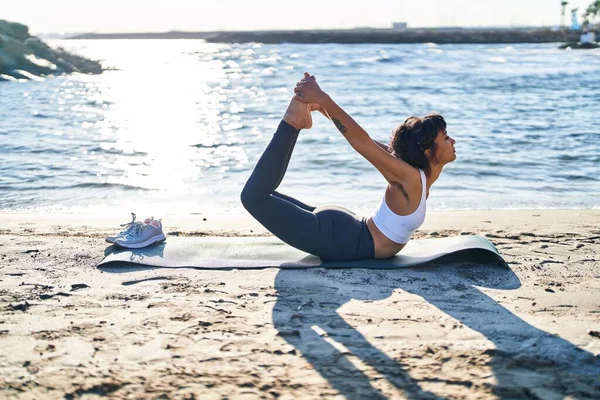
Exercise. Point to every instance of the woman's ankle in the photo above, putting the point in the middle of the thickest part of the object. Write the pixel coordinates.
(287, 126)
(298, 115)
(291, 121)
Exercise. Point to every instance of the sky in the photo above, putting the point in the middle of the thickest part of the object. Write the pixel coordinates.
(59, 16)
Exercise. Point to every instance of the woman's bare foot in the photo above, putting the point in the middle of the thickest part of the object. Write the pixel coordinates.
(298, 115)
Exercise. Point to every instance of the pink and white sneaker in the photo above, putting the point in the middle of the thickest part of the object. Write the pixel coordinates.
(130, 225)
(142, 235)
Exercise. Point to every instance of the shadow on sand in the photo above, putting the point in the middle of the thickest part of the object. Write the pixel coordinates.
(526, 362)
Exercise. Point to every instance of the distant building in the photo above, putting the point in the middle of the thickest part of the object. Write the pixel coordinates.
(399, 25)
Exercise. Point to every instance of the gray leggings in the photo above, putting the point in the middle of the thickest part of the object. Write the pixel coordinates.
(331, 233)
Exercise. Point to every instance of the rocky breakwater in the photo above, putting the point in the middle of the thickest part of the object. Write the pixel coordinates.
(23, 56)
(352, 36)
(439, 36)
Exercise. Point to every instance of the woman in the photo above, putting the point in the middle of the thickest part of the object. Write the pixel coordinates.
(419, 149)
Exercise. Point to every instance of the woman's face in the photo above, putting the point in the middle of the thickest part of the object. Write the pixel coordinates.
(445, 152)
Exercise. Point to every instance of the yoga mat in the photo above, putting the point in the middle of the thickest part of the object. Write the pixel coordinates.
(265, 252)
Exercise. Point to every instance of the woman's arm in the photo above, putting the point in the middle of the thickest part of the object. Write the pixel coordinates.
(393, 169)
(383, 146)
(326, 115)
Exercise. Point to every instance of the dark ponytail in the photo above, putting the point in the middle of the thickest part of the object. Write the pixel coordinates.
(410, 140)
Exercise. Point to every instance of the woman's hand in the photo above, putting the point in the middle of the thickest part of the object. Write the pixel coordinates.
(308, 91)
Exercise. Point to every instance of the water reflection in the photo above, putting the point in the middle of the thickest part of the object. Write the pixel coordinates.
(187, 121)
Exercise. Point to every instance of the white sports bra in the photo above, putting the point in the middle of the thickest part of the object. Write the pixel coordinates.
(399, 228)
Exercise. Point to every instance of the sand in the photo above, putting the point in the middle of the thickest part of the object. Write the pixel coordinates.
(456, 330)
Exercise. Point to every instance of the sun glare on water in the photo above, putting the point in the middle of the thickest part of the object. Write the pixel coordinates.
(169, 120)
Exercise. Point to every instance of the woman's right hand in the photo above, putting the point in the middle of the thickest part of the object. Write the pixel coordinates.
(308, 91)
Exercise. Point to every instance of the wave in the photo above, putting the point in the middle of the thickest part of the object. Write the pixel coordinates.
(567, 157)
(383, 57)
(579, 178)
(30, 150)
(112, 150)
(106, 185)
(207, 146)
(83, 185)
(37, 114)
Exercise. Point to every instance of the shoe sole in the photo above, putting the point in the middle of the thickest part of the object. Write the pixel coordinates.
(148, 242)
(114, 239)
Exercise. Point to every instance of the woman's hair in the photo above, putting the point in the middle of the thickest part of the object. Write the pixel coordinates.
(410, 140)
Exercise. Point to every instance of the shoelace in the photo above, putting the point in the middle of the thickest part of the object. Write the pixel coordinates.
(133, 216)
(137, 230)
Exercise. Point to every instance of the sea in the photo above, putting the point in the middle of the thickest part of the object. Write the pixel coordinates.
(176, 126)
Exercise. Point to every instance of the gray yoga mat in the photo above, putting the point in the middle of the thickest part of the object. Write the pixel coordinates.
(265, 252)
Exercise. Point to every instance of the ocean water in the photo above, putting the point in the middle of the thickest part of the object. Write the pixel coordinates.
(177, 126)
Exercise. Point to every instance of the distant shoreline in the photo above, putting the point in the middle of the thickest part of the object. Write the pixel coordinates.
(359, 36)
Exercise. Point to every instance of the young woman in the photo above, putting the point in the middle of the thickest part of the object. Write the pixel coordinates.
(418, 151)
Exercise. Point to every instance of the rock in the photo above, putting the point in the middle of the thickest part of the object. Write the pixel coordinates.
(27, 57)
(40, 48)
(78, 286)
(65, 66)
(4, 78)
(13, 47)
(41, 62)
(579, 46)
(20, 306)
(21, 74)
(7, 62)
(14, 29)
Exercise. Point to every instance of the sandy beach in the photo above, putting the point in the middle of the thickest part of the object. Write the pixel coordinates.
(456, 330)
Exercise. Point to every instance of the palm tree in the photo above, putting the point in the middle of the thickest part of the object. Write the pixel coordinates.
(563, 5)
(592, 14)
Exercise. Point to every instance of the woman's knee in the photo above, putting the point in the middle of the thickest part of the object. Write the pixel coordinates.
(248, 198)
(251, 198)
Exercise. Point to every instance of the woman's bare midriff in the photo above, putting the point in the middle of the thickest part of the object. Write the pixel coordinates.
(384, 247)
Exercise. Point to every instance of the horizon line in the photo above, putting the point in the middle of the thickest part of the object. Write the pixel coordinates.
(358, 28)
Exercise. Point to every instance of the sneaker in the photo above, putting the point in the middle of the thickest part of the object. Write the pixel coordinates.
(142, 235)
(130, 226)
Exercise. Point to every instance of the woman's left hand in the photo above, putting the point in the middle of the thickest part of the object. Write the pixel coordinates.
(308, 91)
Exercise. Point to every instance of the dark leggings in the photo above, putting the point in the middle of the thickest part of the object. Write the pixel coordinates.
(332, 233)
